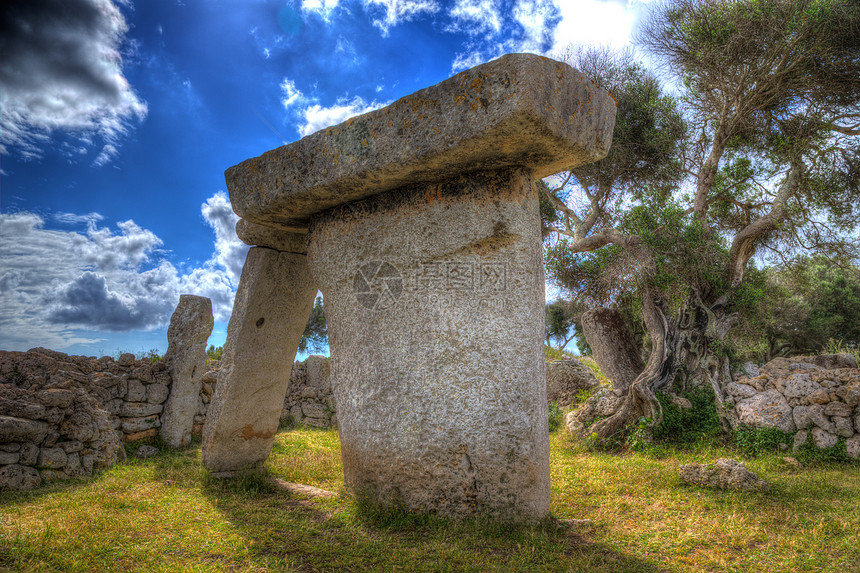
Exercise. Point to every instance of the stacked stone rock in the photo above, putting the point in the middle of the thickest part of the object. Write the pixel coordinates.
(567, 378)
(210, 378)
(310, 400)
(816, 397)
(53, 423)
(66, 416)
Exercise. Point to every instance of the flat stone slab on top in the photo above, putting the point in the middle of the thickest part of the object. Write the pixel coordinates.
(520, 110)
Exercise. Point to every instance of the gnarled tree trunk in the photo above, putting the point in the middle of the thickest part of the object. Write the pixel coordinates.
(686, 353)
(612, 346)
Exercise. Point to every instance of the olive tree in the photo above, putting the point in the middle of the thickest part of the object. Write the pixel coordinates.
(770, 90)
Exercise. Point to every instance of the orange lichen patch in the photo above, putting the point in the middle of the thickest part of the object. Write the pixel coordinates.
(477, 84)
(249, 433)
(433, 194)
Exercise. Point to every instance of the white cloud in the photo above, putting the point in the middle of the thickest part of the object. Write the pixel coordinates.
(323, 8)
(594, 22)
(536, 18)
(392, 12)
(544, 27)
(55, 284)
(75, 219)
(108, 152)
(317, 117)
(289, 93)
(476, 16)
(63, 74)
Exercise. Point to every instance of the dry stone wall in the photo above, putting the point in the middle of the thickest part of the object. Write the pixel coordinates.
(65, 416)
(816, 397)
(310, 400)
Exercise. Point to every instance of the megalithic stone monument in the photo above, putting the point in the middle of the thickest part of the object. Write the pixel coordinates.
(423, 233)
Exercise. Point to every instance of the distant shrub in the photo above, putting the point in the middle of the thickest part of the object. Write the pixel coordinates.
(756, 441)
(556, 417)
(683, 425)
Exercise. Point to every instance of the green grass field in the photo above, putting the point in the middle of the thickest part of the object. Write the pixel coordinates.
(166, 514)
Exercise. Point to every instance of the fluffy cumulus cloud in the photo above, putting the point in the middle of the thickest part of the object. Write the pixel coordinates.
(385, 14)
(475, 16)
(316, 117)
(61, 70)
(388, 13)
(56, 284)
(545, 27)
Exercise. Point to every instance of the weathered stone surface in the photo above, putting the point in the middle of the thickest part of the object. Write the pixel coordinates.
(816, 414)
(319, 373)
(799, 386)
(850, 394)
(136, 391)
(190, 327)
(766, 410)
(19, 478)
(837, 409)
(565, 379)
(740, 390)
(146, 451)
(273, 302)
(852, 446)
(139, 409)
(52, 458)
(724, 474)
(843, 426)
(157, 393)
(78, 426)
(263, 236)
(126, 359)
(802, 417)
(800, 439)
(56, 397)
(823, 439)
(520, 110)
(612, 344)
(21, 430)
(137, 436)
(434, 303)
(7, 458)
(314, 410)
(132, 425)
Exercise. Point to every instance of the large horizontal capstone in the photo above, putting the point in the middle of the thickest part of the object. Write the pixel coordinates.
(520, 110)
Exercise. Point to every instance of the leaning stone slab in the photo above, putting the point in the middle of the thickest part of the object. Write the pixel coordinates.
(273, 302)
(190, 327)
(520, 110)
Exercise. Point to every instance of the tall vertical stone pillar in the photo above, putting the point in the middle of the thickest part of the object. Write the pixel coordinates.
(190, 327)
(424, 234)
(273, 302)
(435, 320)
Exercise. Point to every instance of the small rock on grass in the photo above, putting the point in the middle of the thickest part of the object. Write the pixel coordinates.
(724, 474)
(146, 451)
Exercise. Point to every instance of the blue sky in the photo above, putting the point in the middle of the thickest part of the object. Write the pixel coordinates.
(118, 119)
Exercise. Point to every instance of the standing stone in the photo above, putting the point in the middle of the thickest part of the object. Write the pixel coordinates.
(190, 327)
(273, 302)
(436, 328)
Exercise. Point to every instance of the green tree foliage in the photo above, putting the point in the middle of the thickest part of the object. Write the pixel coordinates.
(771, 92)
(561, 322)
(315, 336)
(213, 353)
(801, 308)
